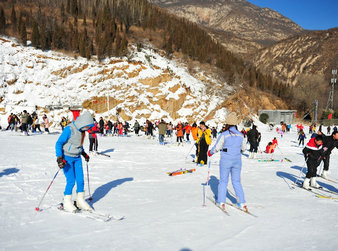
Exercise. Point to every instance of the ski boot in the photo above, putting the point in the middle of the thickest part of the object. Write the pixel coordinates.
(306, 184)
(314, 183)
(324, 175)
(243, 207)
(81, 203)
(221, 205)
(68, 204)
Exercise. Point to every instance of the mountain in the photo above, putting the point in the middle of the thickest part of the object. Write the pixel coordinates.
(144, 85)
(239, 25)
(313, 52)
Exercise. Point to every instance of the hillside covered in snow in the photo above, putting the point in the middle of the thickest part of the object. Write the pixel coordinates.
(144, 85)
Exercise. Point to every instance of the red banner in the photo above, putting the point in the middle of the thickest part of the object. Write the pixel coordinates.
(330, 116)
(76, 113)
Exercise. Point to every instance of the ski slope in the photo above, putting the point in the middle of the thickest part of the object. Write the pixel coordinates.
(161, 212)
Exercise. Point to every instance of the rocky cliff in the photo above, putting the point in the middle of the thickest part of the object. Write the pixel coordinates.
(312, 53)
(241, 26)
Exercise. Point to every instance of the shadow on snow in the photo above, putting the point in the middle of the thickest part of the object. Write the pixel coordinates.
(8, 171)
(102, 191)
(293, 179)
(108, 151)
(213, 183)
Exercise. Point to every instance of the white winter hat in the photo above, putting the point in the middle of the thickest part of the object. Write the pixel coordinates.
(231, 119)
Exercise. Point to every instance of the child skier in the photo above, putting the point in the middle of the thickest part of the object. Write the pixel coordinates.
(313, 155)
(68, 150)
(301, 138)
(269, 148)
(179, 133)
(253, 136)
(187, 129)
(230, 144)
(274, 142)
(93, 141)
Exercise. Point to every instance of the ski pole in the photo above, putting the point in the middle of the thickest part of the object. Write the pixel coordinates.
(300, 172)
(38, 207)
(320, 170)
(207, 184)
(189, 151)
(280, 150)
(90, 196)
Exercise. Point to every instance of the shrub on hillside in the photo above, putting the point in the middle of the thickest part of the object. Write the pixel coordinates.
(264, 118)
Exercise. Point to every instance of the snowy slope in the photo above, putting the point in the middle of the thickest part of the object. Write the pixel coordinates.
(144, 85)
(162, 212)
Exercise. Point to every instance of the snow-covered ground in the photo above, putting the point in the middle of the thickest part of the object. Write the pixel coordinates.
(161, 212)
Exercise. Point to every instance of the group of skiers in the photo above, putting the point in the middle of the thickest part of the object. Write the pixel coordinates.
(69, 149)
(230, 143)
(26, 122)
(318, 149)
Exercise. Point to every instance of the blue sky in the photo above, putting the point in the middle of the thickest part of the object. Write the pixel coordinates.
(309, 14)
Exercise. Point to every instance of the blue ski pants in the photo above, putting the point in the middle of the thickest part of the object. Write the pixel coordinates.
(233, 166)
(73, 172)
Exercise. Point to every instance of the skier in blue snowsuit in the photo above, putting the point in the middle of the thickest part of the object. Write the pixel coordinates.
(230, 144)
(69, 149)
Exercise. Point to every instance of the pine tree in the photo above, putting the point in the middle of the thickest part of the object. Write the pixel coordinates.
(13, 17)
(83, 43)
(2, 21)
(89, 50)
(43, 37)
(124, 44)
(20, 23)
(63, 14)
(23, 33)
(68, 6)
(84, 20)
(74, 8)
(35, 35)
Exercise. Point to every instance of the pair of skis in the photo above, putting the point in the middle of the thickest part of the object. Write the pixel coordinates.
(231, 205)
(103, 154)
(181, 171)
(92, 215)
(318, 192)
(271, 160)
(333, 181)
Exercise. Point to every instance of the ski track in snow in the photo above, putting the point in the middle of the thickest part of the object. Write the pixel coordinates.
(162, 212)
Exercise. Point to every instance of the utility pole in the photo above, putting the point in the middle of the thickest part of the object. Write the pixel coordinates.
(330, 104)
(108, 105)
(316, 110)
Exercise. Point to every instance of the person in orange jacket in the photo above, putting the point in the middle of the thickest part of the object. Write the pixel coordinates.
(194, 131)
(179, 133)
(187, 129)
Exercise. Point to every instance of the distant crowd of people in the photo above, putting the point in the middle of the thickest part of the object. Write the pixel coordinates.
(26, 122)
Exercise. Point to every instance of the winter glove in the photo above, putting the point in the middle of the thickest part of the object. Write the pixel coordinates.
(209, 153)
(61, 162)
(85, 155)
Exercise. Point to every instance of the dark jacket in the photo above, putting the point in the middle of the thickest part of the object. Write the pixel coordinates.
(312, 152)
(252, 135)
(329, 142)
